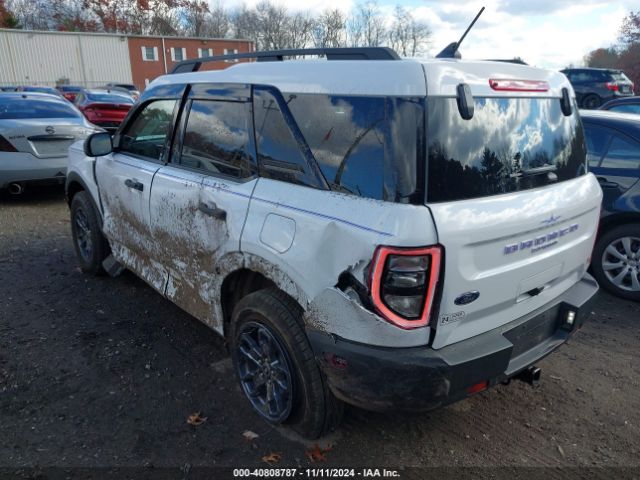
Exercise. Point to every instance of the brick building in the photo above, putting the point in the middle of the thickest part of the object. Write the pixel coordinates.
(154, 56)
(93, 59)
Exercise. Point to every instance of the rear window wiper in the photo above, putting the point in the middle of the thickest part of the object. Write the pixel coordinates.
(548, 170)
(527, 172)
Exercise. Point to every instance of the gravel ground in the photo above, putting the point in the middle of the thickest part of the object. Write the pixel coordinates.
(104, 372)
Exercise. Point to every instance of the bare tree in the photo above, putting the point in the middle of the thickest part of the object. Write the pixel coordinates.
(330, 29)
(300, 30)
(408, 36)
(194, 15)
(366, 27)
(245, 24)
(218, 22)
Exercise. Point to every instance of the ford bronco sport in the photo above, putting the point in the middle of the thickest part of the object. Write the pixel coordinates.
(365, 229)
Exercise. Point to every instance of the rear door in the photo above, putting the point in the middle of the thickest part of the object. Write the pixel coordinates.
(199, 201)
(513, 206)
(124, 179)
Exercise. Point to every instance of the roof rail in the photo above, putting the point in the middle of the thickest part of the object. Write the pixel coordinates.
(359, 53)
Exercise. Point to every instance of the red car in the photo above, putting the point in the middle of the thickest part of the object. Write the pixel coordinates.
(69, 91)
(105, 108)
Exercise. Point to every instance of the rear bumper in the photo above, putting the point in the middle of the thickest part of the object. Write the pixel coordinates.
(420, 378)
(24, 167)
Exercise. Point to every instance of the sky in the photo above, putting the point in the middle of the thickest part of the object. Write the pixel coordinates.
(545, 33)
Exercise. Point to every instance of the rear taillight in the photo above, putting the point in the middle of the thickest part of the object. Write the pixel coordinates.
(6, 146)
(513, 85)
(614, 87)
(403, 284)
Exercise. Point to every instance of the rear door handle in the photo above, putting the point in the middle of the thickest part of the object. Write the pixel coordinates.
(134, 184)
(212, 211)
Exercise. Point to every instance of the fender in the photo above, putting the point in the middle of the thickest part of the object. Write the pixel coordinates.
(74, 177)
(233, 262)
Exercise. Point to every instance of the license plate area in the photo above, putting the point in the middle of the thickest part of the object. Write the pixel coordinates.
(526, 336)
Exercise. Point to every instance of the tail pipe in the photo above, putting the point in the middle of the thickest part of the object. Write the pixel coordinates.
(530, 375)
(16, 188)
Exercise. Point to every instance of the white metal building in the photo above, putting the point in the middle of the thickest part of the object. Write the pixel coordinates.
(46, 58)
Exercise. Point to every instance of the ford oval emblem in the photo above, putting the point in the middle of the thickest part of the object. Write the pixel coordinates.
(467, 298)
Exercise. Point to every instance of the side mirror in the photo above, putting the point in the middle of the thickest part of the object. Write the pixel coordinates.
(98, 144)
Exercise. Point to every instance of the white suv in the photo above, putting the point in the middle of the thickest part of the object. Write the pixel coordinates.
(388, 233)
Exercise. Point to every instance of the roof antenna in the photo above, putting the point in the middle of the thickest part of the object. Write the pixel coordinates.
(451, 50)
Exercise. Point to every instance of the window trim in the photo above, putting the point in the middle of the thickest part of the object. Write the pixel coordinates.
(209, 52)
(144, 54)
(173, 54)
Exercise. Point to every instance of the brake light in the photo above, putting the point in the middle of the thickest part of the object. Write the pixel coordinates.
(403, 284)
(614, 87)
(6, 145)
(513, 85)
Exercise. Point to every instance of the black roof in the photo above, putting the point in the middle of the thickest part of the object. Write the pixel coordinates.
(628, 123)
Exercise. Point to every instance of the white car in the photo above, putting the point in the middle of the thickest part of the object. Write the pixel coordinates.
(389, 233)
(36, 131)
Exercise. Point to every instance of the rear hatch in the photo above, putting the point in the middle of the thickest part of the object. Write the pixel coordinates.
(43, 138)
(620, 83)
(513, 205)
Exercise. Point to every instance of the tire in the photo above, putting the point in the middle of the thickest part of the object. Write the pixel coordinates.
(591, 101)
(618, 251)
(90, 245)
(271, 318)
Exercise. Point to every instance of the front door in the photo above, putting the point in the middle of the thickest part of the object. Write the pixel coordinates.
(125, 178)
(199, 201)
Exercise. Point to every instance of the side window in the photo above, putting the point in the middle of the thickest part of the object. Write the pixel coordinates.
(147, 134)
(347, 138)
(626, 108)
(597, 139)
(216, 138)
(622, 153)
(280, 153)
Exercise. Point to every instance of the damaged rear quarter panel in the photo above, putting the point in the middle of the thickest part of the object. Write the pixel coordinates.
(335, 233)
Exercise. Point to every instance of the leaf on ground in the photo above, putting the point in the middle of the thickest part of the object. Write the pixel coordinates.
(273, 457)
(196, 419)
(316, 454)
(249, 435)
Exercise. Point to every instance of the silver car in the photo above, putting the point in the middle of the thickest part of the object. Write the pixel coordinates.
(36, 131)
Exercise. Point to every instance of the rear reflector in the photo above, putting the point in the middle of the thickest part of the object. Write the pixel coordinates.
(6, 146)
(403, 283)
(512, 85)
(478, 387)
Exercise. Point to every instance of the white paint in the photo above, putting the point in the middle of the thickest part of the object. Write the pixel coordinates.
(383, 77)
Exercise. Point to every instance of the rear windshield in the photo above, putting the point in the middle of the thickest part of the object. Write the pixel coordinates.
(497, 149)
(619, 77)
(24, 108)
(70, 89)
(108, 98)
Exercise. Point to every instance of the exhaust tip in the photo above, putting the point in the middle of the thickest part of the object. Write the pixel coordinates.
(16, 188)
